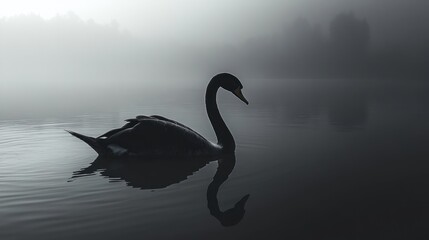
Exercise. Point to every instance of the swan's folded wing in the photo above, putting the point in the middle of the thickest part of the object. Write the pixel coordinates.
(158, 117)
(112, 132)
(138, 118)
(169, 120)
(156, 136)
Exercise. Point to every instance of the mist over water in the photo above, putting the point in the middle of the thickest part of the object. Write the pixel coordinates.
(68, 61)
(333, 144)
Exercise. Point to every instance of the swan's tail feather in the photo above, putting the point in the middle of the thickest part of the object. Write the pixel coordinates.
(92, 142)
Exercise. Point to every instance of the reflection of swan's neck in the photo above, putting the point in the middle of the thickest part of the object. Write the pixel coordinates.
(233, 215)
(224, 169)
(224, 136)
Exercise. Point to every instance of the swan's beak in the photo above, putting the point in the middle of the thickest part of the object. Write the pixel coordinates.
(239, 94)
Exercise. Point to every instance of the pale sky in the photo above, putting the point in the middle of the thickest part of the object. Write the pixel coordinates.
(164, 18)
(225, 21)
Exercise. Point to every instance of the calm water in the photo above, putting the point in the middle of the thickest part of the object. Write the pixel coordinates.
(318, 162)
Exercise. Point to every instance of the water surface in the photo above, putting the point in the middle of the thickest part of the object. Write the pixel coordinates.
(319, 161)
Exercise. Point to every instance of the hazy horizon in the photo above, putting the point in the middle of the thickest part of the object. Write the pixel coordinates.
(60, 50)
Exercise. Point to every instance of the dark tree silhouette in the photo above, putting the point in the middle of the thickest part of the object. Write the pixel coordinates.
(349, 34)
(349, 39)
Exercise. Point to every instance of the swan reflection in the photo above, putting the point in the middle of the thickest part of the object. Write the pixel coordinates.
(158, 174)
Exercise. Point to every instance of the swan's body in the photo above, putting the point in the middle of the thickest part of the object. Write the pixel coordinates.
(157, 136)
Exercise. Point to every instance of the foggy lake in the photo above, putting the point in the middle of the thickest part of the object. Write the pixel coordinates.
(333, 144)
(320, 159)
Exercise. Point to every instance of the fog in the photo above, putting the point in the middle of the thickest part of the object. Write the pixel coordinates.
(65, 61)
(332, 145)
(231, 22)
(57, 54)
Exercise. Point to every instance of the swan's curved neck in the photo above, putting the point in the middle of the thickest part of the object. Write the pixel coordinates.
(224, 136)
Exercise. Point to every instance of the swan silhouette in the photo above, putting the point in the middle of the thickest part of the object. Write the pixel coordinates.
(156, 136)
(152, 174)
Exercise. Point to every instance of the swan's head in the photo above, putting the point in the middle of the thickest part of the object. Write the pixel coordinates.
(230, 83)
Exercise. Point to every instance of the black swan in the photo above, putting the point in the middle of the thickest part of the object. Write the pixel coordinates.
(157, 136)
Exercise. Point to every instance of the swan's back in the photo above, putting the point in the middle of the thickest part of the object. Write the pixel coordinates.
(159, 137)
